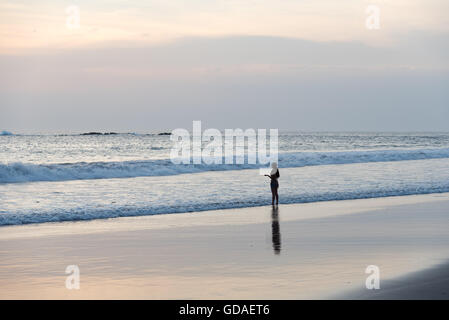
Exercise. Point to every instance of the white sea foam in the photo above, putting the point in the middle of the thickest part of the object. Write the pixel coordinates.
(27, 172)
(72, 177)
(109, 198)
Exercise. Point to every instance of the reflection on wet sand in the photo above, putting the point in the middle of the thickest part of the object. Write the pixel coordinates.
(275, 230)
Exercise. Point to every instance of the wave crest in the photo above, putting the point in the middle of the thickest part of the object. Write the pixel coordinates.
(27, 172)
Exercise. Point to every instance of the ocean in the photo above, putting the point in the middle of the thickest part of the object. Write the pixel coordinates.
(69, 177)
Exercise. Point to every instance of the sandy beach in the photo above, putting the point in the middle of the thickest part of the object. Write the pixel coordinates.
(300, 251)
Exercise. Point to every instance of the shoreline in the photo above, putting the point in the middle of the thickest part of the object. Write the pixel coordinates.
(302, 251)
(207, 217)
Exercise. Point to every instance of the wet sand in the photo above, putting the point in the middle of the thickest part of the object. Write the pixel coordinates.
(301, 251)
(428, 284)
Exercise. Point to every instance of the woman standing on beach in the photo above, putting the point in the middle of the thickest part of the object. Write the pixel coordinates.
(274, 176)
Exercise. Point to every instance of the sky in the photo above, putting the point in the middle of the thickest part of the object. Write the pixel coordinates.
(140, 66)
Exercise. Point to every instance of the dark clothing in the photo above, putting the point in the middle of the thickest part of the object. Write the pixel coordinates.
(274, 180)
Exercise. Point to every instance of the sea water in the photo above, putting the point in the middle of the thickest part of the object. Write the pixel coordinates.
(54, 177)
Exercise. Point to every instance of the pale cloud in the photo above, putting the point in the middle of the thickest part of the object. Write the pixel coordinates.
(202, 57)
(135, 65)
(31, 24)
(230, 82)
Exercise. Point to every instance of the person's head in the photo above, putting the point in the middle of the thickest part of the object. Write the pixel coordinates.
(274, 168)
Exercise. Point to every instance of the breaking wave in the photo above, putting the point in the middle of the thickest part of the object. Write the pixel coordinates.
(29, 172)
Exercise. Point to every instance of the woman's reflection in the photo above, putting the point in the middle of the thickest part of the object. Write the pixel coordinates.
(275, 230)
